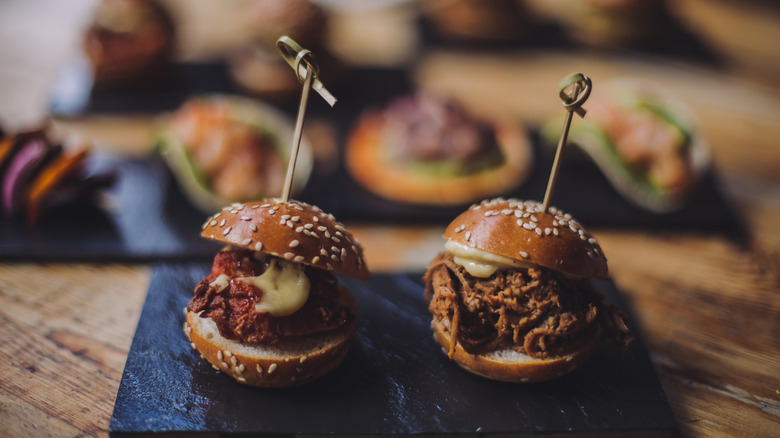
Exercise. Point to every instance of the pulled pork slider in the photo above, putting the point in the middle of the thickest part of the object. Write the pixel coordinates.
(511, 297)
(271, 313)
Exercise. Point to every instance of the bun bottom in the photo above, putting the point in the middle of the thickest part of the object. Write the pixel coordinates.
(292, 362)
(510, 366)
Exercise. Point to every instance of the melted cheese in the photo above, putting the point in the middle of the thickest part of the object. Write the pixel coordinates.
(285, 288)
(220, 282)
(479, 263)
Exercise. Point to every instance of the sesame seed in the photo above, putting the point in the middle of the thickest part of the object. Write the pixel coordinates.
(528, 226)
(294, 243)
(192, 344)
(227, 230)
(241, 369)
(299, 230)
(253, 227)
(523, 254)
(327, 234)
(228, 353)
(295, 218)
(335, 239)
(289, 255)
(538, 231)
(298, 259)
(520, 222)
(547, 231)
(225, 365)
(222, 223)
(334, 257)
(259, 369)
(254, 207)
(290, 224)
(315, 218)
(265, 205)
(271, 368)
(308, 226)
(213, 223)
(285, 216)
(303, 358)
(315, 259)
(233, 360)
(241, 379)
(246, 218)
(321, 228)
(323, 252)
(259, 246)
(246, 242)
(329, 266)
(219, 355)
(555, 231)
(468, 235)
(343, 254)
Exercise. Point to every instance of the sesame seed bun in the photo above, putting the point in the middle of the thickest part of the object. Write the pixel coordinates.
(290, 363)
(292, 230)
(509, 365)
(521, 231)
(367, 163)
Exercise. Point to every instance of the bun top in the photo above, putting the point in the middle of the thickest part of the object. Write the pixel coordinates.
(521, 231)
(293, 230)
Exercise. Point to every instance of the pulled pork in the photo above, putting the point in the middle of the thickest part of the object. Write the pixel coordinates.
(534, 311)
(233, 307)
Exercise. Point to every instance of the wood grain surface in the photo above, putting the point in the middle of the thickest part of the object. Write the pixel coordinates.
(708, 304)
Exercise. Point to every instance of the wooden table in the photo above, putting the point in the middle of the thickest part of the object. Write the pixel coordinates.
(707, 304)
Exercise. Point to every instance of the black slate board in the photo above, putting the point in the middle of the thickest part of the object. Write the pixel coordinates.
(394, 381)
(147, 219)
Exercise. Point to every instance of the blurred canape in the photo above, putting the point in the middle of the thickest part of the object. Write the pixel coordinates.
(224, 149)
(39, 172)
(480, 21)
(258, 68)
(607, 23)
(426, 149)
(129, 43)
(644, 140)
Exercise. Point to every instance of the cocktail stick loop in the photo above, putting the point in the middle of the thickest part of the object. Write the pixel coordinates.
(306, 69)
(573, 90)
(302, 61)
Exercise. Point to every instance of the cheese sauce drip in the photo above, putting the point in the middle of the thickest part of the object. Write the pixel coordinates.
(284, 284)
(479, 263)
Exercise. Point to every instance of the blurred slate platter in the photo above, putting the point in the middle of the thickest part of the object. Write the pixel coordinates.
(394, 381)
(581, 190)
(146, 218)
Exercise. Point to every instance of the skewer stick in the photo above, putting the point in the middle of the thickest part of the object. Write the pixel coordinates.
(573, 91)
(306, 69)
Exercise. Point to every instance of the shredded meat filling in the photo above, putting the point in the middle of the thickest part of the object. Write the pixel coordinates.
(534, 311)
(233, 308)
